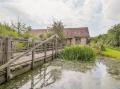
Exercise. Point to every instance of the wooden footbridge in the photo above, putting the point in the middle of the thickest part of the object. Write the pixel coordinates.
(20, 55)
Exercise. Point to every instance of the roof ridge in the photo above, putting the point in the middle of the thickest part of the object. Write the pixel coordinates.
(75, 27)
(64, 28)
(40, 29)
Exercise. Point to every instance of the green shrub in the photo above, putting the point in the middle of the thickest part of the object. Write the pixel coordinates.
(7, 31)
(26, 35)
(20, 46)
(77, 52)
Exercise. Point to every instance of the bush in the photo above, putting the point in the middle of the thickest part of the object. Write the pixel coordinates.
(77, 52)
(7, 31)
(26, 35)
(20, 46)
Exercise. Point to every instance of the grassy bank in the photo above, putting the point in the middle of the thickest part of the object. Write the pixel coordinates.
(111, 53)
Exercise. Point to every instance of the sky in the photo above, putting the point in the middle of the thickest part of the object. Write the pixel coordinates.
(97, 15)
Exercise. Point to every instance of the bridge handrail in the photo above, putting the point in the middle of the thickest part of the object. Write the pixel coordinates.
(30, 50)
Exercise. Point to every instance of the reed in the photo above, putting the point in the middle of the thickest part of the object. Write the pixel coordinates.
(77, 52)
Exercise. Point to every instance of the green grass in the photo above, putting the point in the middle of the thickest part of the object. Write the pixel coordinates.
(111, 53)
(77, 53)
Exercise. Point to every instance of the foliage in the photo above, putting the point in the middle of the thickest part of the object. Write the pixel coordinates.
(114, 36)
(20, 27)
(111, 39)
(77, 52)
(111, 53)
(115, 48)
(45, 35)
(26, 35)
(57, 28)
(7, 31)
(98, 47)
(101, 39)
(20, 46)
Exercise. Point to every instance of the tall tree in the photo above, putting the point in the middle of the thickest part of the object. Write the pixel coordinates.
(114, 35)
(57, 28)
(21, 27)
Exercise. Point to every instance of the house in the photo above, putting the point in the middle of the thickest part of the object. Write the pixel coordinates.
(73, 35)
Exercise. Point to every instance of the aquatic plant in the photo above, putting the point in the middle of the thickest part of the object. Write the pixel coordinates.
(77, 52)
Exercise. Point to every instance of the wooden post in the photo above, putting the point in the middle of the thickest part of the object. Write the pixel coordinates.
(28, 44)
(32, 81)
(33, 55)
(7, 57)
(56, 47)
(45, 52)
(2, 51)
(12, 49)
(44, 76)
(52, 50)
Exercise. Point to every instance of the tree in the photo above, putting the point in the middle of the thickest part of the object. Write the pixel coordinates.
(21, 27)
(114, 35)
(57, 28)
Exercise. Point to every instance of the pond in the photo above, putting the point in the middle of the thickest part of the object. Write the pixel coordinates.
(58, 74)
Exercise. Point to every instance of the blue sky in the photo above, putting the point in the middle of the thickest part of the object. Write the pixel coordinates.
(98, 15)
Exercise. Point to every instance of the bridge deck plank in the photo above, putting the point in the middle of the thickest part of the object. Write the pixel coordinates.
(28, 57)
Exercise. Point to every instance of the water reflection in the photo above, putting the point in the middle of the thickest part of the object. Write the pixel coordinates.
(95, 78)
(69, 75)
(43, 79)
(37, 79)
(47, 75)
(113, 68)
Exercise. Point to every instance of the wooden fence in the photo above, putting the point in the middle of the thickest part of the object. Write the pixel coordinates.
(12, 50)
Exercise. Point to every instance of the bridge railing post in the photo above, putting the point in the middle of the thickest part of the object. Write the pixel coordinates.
(56, 44)
(45, 51)
(33, 55)
(2, 59)
(53, 49)
(7, 56)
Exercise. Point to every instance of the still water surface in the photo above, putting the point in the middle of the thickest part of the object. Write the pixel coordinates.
(103, 74)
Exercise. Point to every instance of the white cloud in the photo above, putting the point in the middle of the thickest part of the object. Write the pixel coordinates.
(43, 11)
(111, 9)
(111, 13)
(96, 14)
(90, 8)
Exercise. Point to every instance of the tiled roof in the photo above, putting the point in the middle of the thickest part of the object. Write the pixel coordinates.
(77, 32)
(69, 32)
